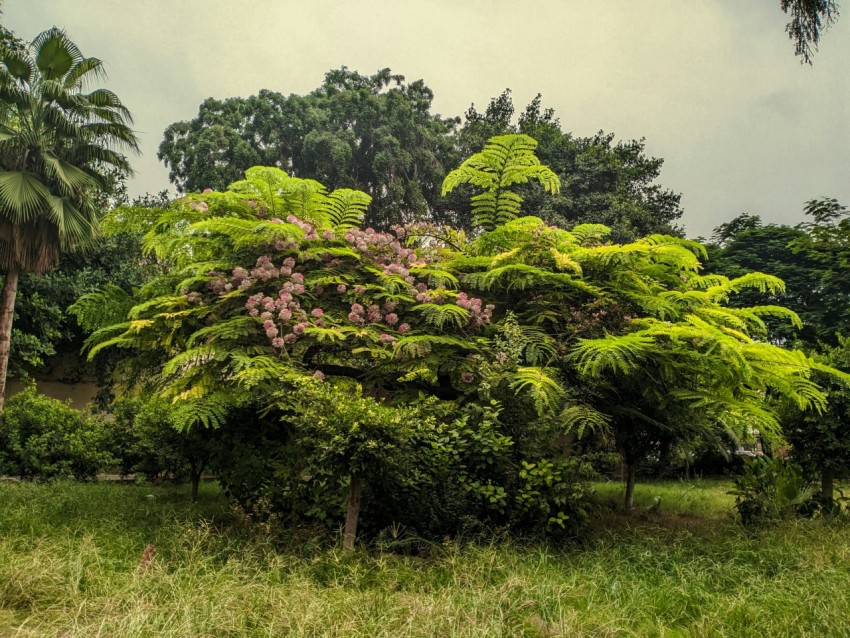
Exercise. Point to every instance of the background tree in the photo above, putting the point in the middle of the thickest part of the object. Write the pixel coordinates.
(46, 338)
(602, 181)
(821, 442)
(372, 133)
(811, 258)
(746, 244)
(377, 134)
(56, 139)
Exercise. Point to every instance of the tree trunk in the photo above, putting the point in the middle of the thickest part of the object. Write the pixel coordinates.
(353, 512)
(196, 480)
(7, 314)
(826, 489)
(630, 486)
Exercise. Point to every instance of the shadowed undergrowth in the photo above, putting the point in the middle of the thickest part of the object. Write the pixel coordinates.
(69, 566)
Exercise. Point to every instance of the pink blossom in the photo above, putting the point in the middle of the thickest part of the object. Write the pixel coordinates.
(467, 377)
(341, 288)
(317, 312)
(357, 308)
(360, 289)
(328, 234)
(285, 314)
(353, 317)
(277, 342)
(391, 318)
(290, 338)
(405, 327)
(207, 190)
(385, 338)
(319, 375)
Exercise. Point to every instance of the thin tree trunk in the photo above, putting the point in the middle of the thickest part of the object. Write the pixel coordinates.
(352, 513)
(826, 490)
(630, 486)
(195, 477)
(7, 314)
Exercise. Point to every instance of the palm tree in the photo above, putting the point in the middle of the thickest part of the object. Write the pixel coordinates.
(57, 139)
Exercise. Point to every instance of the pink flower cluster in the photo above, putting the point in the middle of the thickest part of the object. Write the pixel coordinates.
(284, 313)
(377, 314)
(386, 250)
(477, 316)
(309, 231)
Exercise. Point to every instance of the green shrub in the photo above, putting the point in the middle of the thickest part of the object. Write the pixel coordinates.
(42, 438)
(771, 489)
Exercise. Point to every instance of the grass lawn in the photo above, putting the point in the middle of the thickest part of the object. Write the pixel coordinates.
(69, 566)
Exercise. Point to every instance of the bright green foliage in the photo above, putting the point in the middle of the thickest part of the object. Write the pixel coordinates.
(745, 244)
(42, 438)
(659, 355)
(570, 334)
(505, 161)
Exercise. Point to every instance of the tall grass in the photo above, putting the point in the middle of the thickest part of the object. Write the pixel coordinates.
(69, 566)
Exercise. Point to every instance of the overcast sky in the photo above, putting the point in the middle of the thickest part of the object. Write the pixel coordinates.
(712, 85)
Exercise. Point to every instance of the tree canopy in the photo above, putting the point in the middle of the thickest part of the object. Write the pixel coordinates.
(377, 134)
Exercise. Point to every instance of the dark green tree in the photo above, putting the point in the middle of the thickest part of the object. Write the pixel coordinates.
(812, 258)
(821, 442)
(746, 244)
(602, 181)
(373, 133)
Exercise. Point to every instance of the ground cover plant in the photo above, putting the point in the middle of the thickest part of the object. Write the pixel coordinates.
(70, 566)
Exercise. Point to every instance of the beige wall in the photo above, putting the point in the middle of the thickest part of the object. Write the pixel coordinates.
(81, 394)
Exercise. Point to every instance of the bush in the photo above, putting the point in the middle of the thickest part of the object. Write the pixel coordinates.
(771, 489)
(42, 438)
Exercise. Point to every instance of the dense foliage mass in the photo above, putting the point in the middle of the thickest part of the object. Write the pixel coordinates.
(426, 377)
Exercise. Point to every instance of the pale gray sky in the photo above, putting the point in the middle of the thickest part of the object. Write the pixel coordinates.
(712, 85)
